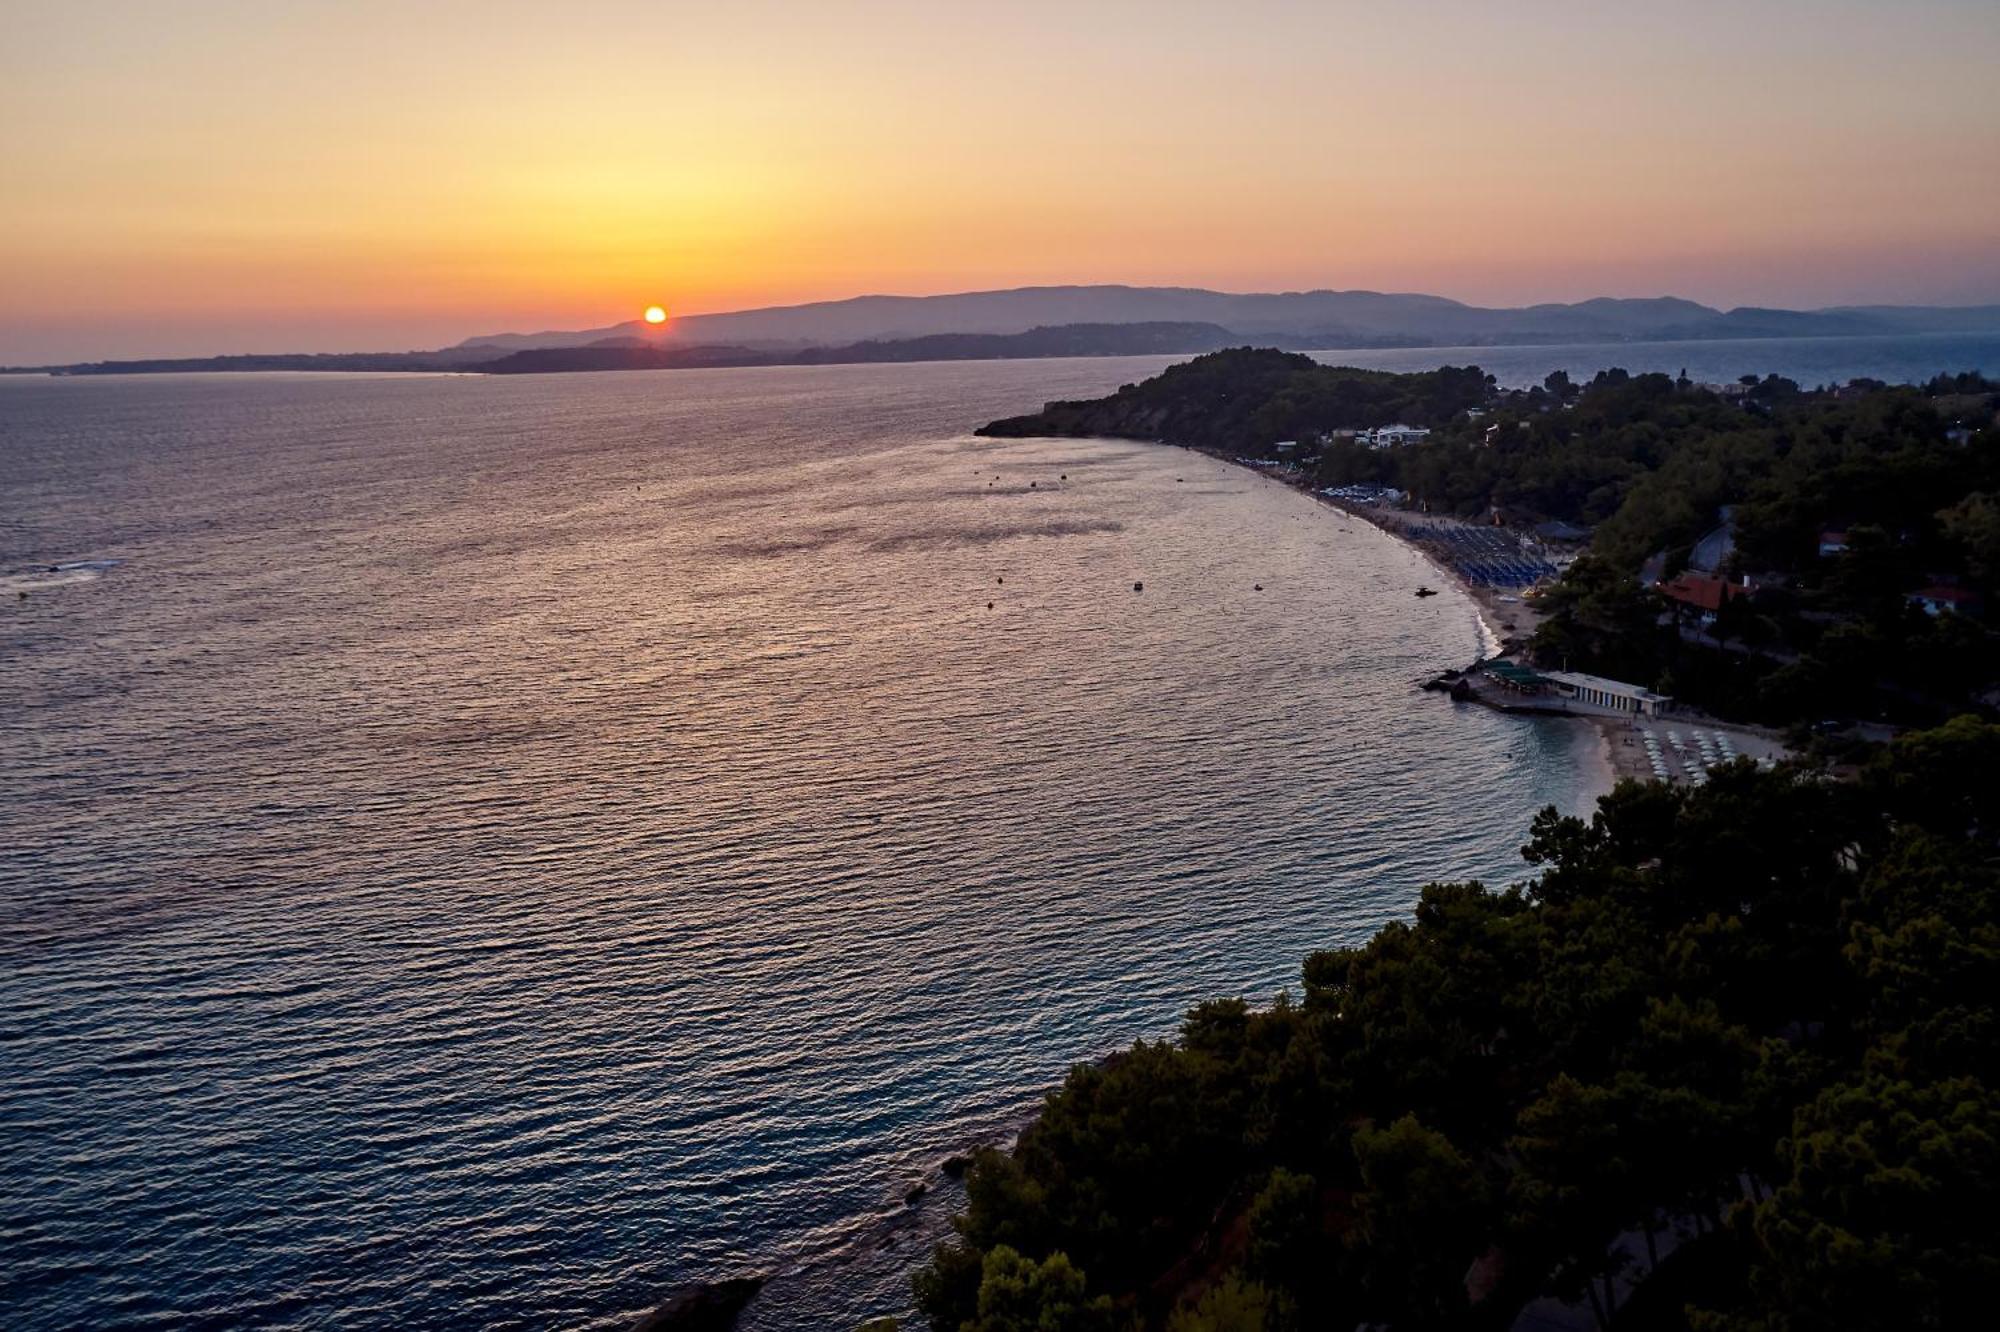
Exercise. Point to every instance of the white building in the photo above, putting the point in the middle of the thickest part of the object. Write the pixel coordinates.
(1599, 692)
(1383, 437)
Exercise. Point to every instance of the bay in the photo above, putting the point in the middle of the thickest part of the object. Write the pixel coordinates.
(481, 853)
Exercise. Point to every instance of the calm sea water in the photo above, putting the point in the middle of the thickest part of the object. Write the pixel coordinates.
(480, 853)
(1810, 361)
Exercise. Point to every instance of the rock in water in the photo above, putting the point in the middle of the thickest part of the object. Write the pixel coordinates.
(711, 1306)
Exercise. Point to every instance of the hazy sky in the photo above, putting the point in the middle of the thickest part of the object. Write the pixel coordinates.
(204, 177)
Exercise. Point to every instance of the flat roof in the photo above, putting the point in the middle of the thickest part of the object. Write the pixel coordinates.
(1578, 680)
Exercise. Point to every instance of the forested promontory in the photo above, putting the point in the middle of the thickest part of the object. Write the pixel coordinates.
(1247, 399)
(1727, 1061)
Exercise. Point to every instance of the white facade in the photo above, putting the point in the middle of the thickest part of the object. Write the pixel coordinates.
(1616, 695)
(1383, 437)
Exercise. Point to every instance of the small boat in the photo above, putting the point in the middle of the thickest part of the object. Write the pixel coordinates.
(1426, 592)
(1138, 587)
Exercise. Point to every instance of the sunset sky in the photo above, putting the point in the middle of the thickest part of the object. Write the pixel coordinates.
(196, 178)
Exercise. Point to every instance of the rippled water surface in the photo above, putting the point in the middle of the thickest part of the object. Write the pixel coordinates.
(478, 853)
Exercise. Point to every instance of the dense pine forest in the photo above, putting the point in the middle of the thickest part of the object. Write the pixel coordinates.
(1727, 1061)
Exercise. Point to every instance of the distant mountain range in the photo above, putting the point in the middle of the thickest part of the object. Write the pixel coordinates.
(1094, 321)
(1318, 319)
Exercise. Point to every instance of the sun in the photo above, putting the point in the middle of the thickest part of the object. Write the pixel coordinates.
(656, 314)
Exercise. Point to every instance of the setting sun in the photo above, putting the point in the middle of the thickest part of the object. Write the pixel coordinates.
(655, 315)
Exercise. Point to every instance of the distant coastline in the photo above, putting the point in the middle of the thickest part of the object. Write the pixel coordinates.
(1031, 322)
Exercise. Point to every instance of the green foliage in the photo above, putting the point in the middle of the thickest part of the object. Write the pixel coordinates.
(1421, 1216)
(1839, 636)
(1886, 1221)
(1601, 618)
(1018, 1294)
(1233, 1305)
(1765, 1008)
(947, 1288)
(1246, 399)
(1287, 1233)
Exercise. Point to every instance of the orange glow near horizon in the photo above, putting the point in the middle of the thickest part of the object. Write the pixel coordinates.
(185, 181)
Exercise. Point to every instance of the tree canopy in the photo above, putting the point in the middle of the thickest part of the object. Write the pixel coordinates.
(1760, 1013)
(1247, 399)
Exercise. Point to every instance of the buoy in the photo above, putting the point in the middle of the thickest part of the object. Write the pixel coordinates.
(1031, 485)
(1138, 587)
(989, 605)
(1001, 579)
(1065, 476)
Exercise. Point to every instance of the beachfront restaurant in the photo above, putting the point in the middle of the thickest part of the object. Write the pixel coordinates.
(1599, 692)
(1519, 679)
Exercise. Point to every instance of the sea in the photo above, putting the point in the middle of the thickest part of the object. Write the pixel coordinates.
(486, 853)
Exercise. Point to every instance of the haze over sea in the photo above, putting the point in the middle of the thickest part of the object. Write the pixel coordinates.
(479, 853)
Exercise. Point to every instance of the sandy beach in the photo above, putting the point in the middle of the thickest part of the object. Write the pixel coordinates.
(1680, 745)
(1510, 618)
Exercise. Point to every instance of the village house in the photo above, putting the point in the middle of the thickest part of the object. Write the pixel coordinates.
(1389, 436)
(1704, 593)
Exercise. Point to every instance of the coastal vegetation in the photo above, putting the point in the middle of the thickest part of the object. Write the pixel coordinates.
(1248, 399)
(1859, 525)
(1859, 537)
(1727, 1061)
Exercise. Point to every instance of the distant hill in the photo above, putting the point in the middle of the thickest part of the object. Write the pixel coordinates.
(1296, 319)
(1097, 321)
(625, 353)
(435, 362)
(1248, 398)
